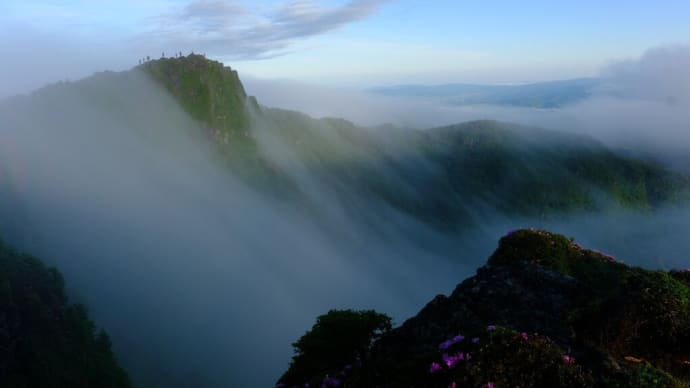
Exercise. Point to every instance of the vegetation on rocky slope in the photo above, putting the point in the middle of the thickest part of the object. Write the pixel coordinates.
(543, 312)
(209, 91)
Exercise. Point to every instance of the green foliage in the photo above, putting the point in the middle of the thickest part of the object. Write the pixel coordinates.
(339, 339)
(682, 275)
(44, 341)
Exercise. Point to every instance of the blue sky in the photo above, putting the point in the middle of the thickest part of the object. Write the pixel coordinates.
(354, 42)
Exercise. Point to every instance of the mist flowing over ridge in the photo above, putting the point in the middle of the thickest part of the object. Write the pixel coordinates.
(638, 104)
(205, 230)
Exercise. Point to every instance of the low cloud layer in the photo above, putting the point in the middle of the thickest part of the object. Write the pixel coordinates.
(644, 105)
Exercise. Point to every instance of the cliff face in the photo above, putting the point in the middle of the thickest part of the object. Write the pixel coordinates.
(209, 91)
(543, 312)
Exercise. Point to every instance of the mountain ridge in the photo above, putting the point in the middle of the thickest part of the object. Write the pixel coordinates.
(480, 164)
(545, 95)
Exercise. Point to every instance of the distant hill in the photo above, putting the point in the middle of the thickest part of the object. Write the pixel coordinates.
(551, 94)
(543, 311)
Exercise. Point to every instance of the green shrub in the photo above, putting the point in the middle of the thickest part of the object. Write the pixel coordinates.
(338, 342)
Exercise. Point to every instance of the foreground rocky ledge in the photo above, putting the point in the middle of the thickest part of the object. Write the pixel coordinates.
(542, 312)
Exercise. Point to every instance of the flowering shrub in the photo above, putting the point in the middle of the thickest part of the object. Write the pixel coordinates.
(505, 358)
(629, 327)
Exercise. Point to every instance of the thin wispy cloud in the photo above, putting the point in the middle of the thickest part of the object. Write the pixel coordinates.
(236, 31)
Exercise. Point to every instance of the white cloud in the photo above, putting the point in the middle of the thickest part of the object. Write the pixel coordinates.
(236, 31)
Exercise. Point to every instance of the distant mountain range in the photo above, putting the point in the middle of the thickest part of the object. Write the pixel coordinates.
(552, 94)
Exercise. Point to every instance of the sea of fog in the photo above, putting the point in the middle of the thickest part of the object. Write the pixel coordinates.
(203, 281)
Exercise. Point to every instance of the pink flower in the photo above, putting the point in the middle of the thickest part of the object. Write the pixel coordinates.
(448, 343)
(491, 327)
(568, 360)
(435, 367)
(453, 360)
(524, 336)
(445, 344)
(489, 385)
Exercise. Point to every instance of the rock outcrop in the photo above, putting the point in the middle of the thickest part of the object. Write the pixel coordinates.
(542, 312)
